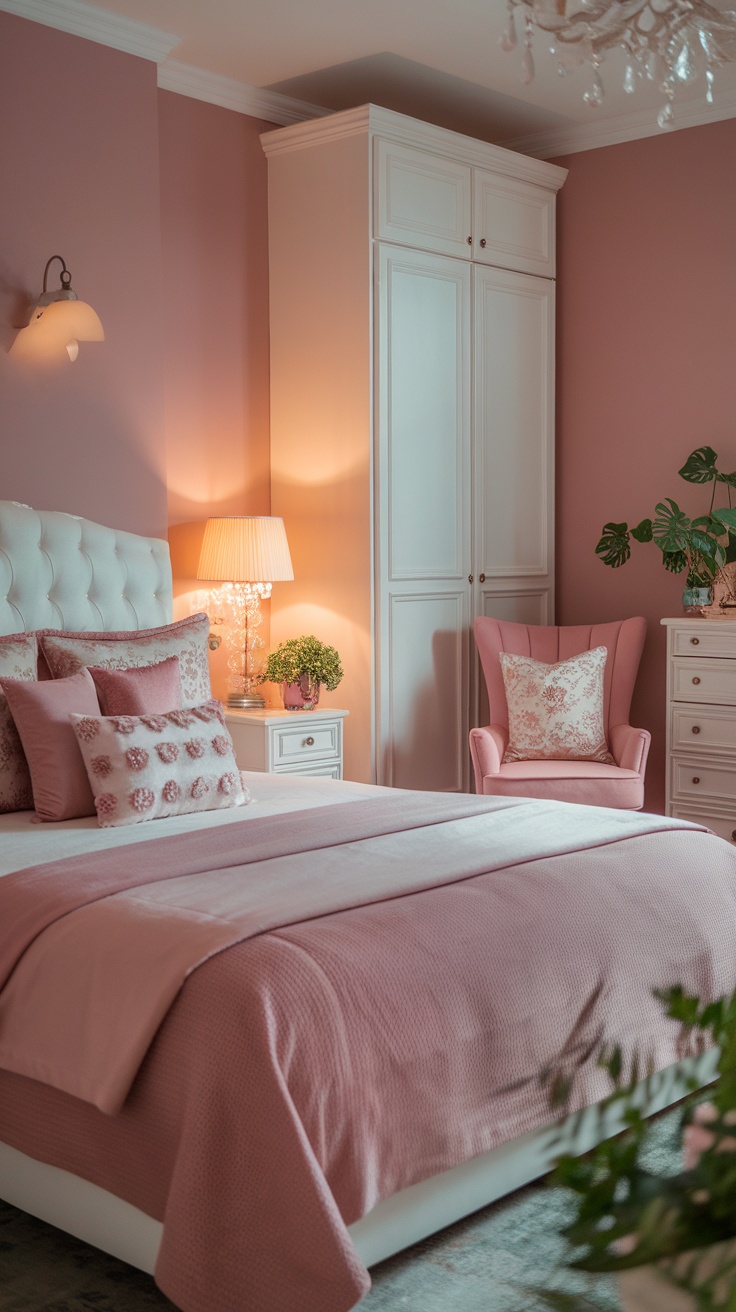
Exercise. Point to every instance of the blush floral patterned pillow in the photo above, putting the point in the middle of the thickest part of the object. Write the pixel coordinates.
(18, 655)
(65, 653)
(556, 711)
(145, 767)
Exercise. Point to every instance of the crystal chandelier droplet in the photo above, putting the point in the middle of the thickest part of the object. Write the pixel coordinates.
(674, 43)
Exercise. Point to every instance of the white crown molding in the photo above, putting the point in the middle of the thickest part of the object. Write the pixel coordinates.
(96, 25)
(231, 94)
(625, 127)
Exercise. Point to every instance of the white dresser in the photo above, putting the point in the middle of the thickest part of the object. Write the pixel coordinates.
(701, 722)
(288, 742)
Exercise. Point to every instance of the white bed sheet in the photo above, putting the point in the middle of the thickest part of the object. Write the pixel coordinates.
(24, 841)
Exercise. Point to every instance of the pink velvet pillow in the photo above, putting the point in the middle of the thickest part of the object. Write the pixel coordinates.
(66, 653)
(18, 654)
(150, 766)
(556, 711)
(141, 691)
(41, 713)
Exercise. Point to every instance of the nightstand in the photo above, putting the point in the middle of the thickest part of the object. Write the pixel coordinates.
(288, 742)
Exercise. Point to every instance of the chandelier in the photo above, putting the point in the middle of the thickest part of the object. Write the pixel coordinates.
(672, 43)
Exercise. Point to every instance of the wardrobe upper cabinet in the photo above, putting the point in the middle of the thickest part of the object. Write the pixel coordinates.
(433, 203)
(513, 224)
(422, 200)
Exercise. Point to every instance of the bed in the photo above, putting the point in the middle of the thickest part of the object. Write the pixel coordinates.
(356, 1062)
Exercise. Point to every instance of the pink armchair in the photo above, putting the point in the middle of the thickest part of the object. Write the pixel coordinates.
(619, 785)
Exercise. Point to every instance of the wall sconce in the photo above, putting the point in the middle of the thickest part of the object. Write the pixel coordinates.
(59, 322)
(246, 553)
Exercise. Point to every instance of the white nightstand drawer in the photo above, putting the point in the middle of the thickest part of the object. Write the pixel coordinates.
(299, 743)
(696, 778)
(322, 771)
(723, 825)
(716, 639)
(700, 728)
(699, 680)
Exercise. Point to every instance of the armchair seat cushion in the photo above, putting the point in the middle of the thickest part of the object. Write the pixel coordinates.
(569, 781)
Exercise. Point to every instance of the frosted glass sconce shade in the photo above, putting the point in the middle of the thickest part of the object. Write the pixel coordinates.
(59, 322)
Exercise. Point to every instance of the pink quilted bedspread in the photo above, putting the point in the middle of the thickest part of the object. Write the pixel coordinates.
(378, 1028)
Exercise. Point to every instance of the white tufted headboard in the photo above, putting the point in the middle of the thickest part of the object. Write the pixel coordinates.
(59, 571)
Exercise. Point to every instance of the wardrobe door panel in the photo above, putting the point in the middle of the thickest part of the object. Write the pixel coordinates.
(422, 199)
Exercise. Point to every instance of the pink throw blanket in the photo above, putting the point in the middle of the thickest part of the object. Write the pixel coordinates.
(90, 989)
(308, 1072)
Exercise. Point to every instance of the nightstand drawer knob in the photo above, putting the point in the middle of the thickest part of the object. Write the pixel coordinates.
(308, 742)
(696, 778)
(695, 642)
(733, 835)
(696, 680)
(696, 728)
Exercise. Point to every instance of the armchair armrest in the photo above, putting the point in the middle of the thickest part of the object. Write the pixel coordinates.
(630, 747)
(487, 746)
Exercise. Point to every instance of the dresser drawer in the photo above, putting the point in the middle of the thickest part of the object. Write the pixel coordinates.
(724, 826)
(701, 680)
(700, 728)
(325, 770)
(694, 778)
(711, 640)
(294, 744)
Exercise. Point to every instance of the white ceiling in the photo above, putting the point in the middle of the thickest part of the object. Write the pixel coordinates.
(435, 59)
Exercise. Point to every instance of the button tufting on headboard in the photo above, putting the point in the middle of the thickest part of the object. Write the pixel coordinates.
(59, 571)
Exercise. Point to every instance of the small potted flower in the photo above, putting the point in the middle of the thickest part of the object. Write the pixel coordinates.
(300, 666)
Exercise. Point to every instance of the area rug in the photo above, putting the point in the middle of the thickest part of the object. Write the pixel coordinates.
(500, 1259)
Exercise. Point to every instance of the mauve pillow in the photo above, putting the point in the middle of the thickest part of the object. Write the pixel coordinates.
(18, 653)
(41, 713)
(66, 652)
(556, 711)
(150, 766)
(141, 691)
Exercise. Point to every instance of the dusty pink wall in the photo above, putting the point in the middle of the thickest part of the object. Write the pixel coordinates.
(80, 177)
(214, 223)
(646, 341)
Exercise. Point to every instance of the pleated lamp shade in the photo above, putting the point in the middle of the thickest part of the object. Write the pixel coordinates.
(245, 549)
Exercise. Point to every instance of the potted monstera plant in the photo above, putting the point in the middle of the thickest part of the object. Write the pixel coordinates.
(703, 547)
(301, 666)
(670, 1236)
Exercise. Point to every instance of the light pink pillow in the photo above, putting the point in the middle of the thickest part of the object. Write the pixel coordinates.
(149, 766)
(556, 711)
(142, 691)
(66, 653)
(41, 712)
(18, 655)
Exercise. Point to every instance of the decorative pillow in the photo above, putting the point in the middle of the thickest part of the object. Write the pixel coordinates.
(141, 691)
(149, 766)
(556, 711)
(41, 712)
(66, 653)
(18, 655)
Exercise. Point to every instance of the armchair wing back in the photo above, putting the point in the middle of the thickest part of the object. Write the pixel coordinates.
(621, 784)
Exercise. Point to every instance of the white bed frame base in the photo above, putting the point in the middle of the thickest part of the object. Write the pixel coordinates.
(99, 1218)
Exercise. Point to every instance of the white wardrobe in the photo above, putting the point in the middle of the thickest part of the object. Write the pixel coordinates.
(412, 406)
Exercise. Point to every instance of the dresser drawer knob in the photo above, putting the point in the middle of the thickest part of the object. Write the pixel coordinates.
(695, 642)
(308, 742)
(696, 679)
(696, 728)
(696, 778)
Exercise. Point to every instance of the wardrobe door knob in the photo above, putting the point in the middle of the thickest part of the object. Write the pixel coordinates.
(483, 242)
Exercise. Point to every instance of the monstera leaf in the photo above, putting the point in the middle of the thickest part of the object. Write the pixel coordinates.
(674, 561)
(643, 531)
(614, 547)
(700, 467)
(671, 528)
